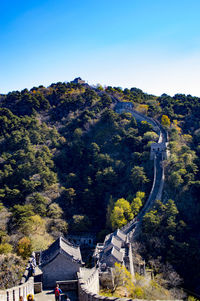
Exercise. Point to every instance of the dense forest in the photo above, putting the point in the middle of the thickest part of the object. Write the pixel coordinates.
(69, 163)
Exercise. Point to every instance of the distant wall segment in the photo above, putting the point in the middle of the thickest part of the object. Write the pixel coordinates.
(129, 108)
(158, 153)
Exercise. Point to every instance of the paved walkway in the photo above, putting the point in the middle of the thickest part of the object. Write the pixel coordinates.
(49, 296)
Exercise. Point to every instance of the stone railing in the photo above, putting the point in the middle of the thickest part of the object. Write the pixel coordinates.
(25, 287)
(13, 294)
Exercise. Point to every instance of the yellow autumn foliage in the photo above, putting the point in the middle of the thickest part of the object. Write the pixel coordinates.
(165, 121)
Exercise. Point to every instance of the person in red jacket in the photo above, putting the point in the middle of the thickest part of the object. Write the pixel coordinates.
(57, 293)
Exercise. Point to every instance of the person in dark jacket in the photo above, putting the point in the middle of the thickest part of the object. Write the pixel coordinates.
(66, 298)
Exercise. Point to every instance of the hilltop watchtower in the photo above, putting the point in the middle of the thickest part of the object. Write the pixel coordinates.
(78, 80)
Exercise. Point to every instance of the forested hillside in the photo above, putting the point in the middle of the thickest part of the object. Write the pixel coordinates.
(171, 230)
(69, 163)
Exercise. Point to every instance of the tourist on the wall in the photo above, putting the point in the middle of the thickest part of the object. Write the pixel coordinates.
(33, 261)
(21, 298)
(30, 297)
(66, 298)
(58, 293)
(31, 270)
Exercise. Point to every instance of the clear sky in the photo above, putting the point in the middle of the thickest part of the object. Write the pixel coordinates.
(153, 45)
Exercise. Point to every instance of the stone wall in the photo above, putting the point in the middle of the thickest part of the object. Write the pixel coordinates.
(127, 227)
(82, 240)
(13, 294)
(159, 152)
(87, 289)
(37, 287)
(129, 108)
(88, 282)
(106, 279)
(160, 190)
(130, 256)
(146, 206)
(68, 285)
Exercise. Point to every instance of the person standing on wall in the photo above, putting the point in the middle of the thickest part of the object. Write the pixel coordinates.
(30, 297)
(66, 298)
(57, 293)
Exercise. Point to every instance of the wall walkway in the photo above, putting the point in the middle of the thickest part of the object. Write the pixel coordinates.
(132, 228)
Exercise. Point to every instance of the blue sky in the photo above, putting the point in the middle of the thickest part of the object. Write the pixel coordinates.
(150, 44)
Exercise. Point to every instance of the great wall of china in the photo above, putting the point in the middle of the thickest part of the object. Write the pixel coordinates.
(158, 153)
(88, 280)
(26, 287)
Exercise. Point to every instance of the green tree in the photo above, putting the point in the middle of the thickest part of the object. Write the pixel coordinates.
(122, 278)
(5, 248)
(21, 214)
(69, 195)
(81, 223)
(151, 136)
(110, 207)
(57, 227)
(136, 205)
(11, 270)
(125, 205)
(162, 219)
(54, 211)
(24, 247)
(137, 202)
(34, 224)
(117, 218)
(141, 195)
(138, 177)
(39, 203)
(121, 213)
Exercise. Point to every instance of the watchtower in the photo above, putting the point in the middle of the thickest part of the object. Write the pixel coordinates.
(159, 148)
(78, 80)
